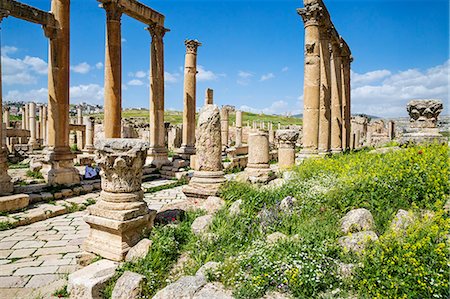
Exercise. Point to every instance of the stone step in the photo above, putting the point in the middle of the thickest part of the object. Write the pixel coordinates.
(14, 202)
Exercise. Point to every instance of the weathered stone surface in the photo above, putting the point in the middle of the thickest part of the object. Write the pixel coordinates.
(235, 208)
(85, 258)
(287, 204)
(128, 286)
(14, 202)
(287, 135)
(424, 113)
(201, 224)
(139, 250)
(357, 220)
(214, 290)
(213, 204)
(89, 282)
(346, 270)
(402, 220)
(185, 287)
(209, 266)
(357, 242)
(275, 237)
(169, 216)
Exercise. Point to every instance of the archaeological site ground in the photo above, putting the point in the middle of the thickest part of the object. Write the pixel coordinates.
(103, 199)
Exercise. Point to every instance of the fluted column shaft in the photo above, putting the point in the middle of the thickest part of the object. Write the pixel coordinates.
(336, 100)
(325, 92)
(346, 103)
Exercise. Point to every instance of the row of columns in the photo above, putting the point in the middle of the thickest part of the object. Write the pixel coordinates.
(326, 117)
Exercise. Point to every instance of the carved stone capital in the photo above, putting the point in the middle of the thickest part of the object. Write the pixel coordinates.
(312, 14)
(121, 162)
(192, 46)
(424, 113)
(3, 14)
(113, 11)
(50, 32)
(156, 31)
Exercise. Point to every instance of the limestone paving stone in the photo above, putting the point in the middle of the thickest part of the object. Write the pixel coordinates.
(38, 281)
(18, 253)
(7, 244)
(13, 281)
(29, 244)
(35, 270)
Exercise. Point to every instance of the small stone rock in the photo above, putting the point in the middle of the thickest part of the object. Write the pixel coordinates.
(67, 193)
(87, 188)
(213, 290)
(357, 220)
(169, 216)
(89, 282)
(208, 267)
(212, 204)
(85, 258)
(287, 204)
(402, 220)
(275, 237)
(276, 183)
(58, 195)
(357, 242)
(185, 287)
(139, 250)
(47, 196)
(346, 270)
(200, 225)
(235, 208)
(128, 286)
(77, 190)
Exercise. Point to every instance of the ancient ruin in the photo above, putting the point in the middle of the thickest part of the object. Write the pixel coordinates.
(326, 85)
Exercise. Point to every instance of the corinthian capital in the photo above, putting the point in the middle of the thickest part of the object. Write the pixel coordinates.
(113, 11)
(312, 14)
(3, 14)
(192, 46)
(157, 31)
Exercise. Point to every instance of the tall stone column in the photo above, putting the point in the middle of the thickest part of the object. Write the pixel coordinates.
(158, 151)
(258, 168)
(325, 92)
(286, 147)
(7, 117)
(209, 97)
(27, 116)
(44, 125)
(208, 175)
(391, 130)
(119, 218)
(89, 144)
(271, 134)
(58, 164)
(238, 128)
(311, 15)
(41, 124)
(32, 124)
(189, 99)
(336, 99)
(23, 113)
(346, 104)
(80, 140)
(6, 185)
(224, 126)
(113, 71)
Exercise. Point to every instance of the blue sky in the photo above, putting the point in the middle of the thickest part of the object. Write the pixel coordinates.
(252, 53)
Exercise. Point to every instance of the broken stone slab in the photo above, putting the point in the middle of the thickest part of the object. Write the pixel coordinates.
(139, 250)
(14, 202)
(201, 224)
(185, 287)
(357, 242)
(235, 208)
(85, 258)
(287, 204)
(128, 286)
(208, 267)
(89, 282)
(212, 204)
(357, 220)
(214, 290)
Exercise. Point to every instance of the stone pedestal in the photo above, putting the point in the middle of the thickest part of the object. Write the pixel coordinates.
(208, 175)
(286, 147)
(258, 169)
(90, 131)
(119, 217)
(58, 167)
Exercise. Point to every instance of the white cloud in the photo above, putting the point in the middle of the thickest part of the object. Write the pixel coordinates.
(17, 71)
(206, 75)
(135, 82)
(244, 78)
(36, 95)
(267, 77)
(89, 93)
(389, 97)
(277, 107)
(123, 40)
(8, 50)
(140, 74)
(171, 77)
(82, 68)
(99, 65)
(285, 69)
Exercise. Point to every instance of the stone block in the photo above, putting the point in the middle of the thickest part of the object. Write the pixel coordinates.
(14, 202)
(87, 188)
(357, 220)
(128, 286)
(185, 287)
(67, 193)
(201, 224)
(89, 282)
(139, 250)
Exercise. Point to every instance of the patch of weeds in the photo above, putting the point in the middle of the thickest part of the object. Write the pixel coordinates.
(35, 175)
(61, 292)
(90, 202)
(5, 225)
(168, 186)
(74, 148)
(233, 170)
(18, 166)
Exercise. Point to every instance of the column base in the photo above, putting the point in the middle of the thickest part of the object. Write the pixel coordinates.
(6, 186)
(336, 150)
(157, 157)
(185, 151)
(204, 184)
(89, 149)
(58, 167)
(258, 174)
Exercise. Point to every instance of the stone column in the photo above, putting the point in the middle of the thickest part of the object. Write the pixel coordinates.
(286, 147)
(208, 175)
(6, 117)
(6, 185)
(27, 116)
(209, 97)
(80, 139)
(113, 71)
(41, 124)
(224, 126)
(258, 169)
(189, 99)
(23, 113)
(44, 125)
(32, 124)
(271, 134)
(89, 144)
(346, 105)
(391, 130)
(238, 128)
(118, 219)
(325, 92)
(58, 163)
(336, 98)
(158, 151)
(311, 15)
